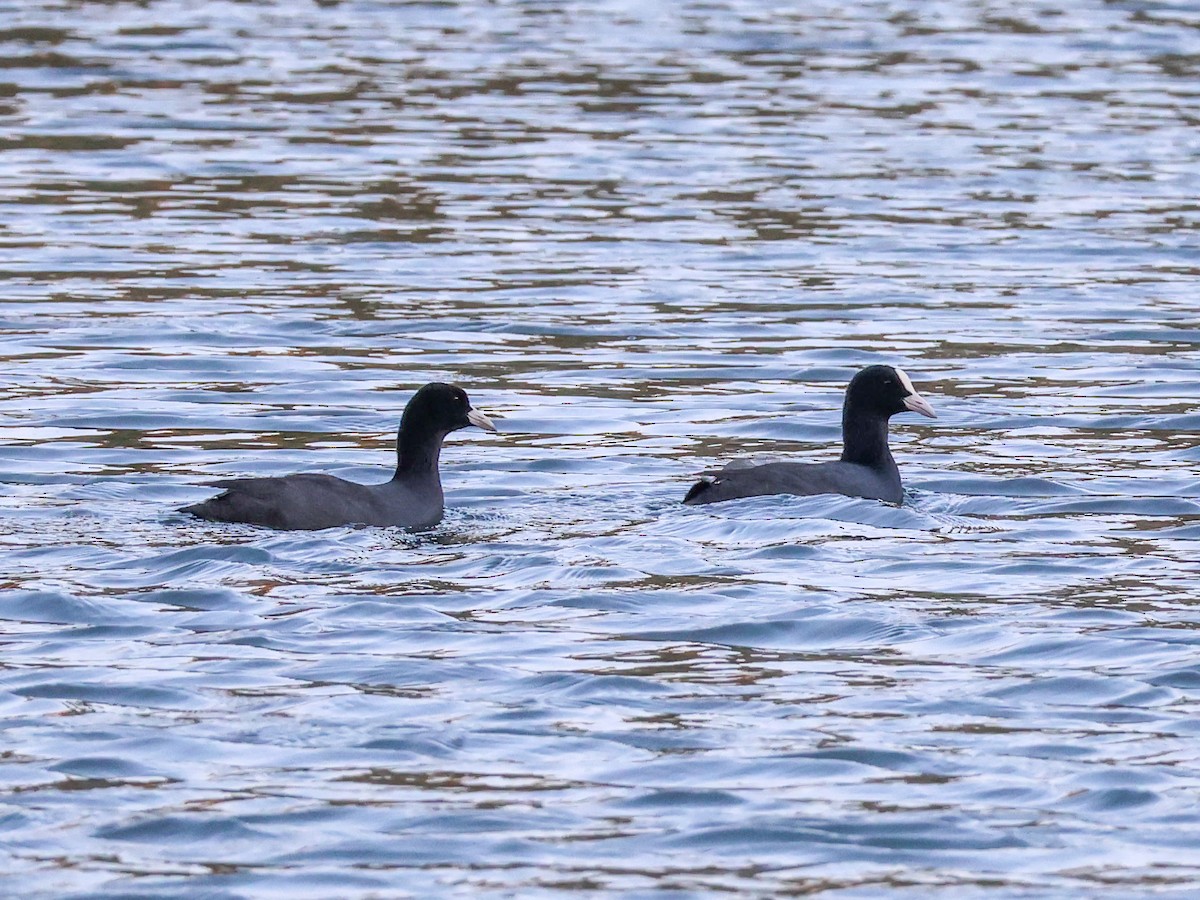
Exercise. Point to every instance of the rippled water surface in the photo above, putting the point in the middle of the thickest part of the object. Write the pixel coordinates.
(236, 236)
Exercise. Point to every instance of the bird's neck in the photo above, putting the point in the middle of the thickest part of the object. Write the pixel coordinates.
(417, 454)
(865, 440)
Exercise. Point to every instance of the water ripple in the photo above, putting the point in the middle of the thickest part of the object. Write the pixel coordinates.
(653, 238)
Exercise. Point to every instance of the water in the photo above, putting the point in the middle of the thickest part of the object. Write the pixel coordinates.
(235, 237)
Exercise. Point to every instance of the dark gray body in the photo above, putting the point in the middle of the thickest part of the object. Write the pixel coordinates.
(312, 501)
(740, 480)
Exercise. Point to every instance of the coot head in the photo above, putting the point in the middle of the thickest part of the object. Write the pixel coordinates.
(441, 408)
(885, 391)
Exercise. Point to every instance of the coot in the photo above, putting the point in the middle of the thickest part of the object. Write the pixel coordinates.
(866, 468)
(413, 498)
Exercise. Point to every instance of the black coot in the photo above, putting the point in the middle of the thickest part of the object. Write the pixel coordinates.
(866, 468)
(413, 498)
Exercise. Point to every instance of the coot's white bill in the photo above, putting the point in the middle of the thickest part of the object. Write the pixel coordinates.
(478, 419)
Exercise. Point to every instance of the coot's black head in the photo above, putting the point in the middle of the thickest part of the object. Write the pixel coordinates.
(438, 409)
(885, 391)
